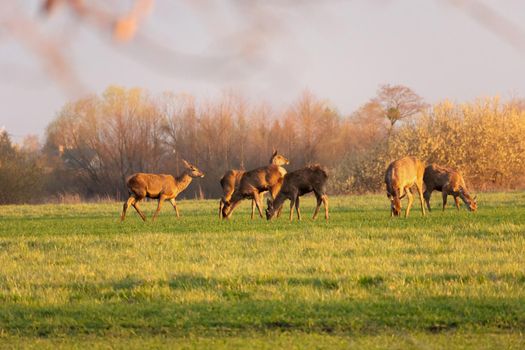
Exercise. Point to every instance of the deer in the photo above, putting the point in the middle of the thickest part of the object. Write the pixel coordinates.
(401, 175)
(232, 178)
(158, 186)
(255, 182)
(229, 182)
(449, 182)
(297, 183)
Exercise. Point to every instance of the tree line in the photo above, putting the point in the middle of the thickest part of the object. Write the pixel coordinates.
(95, 143)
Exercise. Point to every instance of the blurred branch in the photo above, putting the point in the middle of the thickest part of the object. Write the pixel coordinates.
(493, 21)
(150, 51)
(46, 49)
(51, 50)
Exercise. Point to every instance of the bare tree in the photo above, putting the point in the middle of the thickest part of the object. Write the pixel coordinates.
(398, 102)
(107, 138)
(316, 127)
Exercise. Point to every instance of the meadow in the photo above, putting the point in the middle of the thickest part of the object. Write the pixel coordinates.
(72, 276)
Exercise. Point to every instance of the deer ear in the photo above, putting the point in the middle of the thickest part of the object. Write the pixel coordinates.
(186, 164)
(274, 152)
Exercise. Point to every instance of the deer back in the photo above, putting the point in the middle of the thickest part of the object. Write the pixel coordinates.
(305, 180)
(261, 178)
(150, 185)
(437, 177)
(231, 178)
(403, 173)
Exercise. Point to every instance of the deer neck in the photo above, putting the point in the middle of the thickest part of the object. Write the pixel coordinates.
(278, 202)
(463, 197)
(183, 181)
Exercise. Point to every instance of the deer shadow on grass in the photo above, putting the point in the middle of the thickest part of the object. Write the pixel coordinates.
(211, 317)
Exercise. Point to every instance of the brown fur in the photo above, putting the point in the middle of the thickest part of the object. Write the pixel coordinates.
(298, 183)
(229, 182)
(158, 186)
(449, 182)
(401, 175)
(232, 179)
(255, 182)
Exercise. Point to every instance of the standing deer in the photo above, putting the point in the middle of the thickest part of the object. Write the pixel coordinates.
(401, 175)
(449, 182)
(160, 186)
(297, 183)
(232, 179)
(255, 182)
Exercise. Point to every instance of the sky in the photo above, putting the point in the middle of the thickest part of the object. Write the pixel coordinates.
(272, 51)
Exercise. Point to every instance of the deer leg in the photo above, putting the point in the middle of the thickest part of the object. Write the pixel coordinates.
(325, 202)
(419, 187)
(258, 203)
(220, 208)
(135, 205)
(456, 199)
(427, 195)
(410, 198)
(174, 204)
(444, 199)
(292, 204)
(297, 208)
(253, 208)
(319, 201)
(159, 205)
(127, 203)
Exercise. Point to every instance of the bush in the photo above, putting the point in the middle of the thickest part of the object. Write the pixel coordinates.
(21, 177)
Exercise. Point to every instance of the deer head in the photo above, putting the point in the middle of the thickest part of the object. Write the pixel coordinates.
(270, 211)
(192, 170)
(395, 204)
(278, 159)
(474, 204)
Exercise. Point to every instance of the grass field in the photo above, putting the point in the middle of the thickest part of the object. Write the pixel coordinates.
(73, 276)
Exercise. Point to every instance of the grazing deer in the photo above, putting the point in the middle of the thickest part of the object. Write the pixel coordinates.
(255, 182)
(297, 183)
(229, 182)
(401, 175)
(449, 182)
(160, 186)
(232, 178)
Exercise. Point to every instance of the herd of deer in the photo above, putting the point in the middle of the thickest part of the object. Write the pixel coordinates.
(401, 176)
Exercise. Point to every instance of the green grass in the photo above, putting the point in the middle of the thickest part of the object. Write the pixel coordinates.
(73, 276)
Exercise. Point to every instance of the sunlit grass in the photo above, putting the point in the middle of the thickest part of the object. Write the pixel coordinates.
(362, 278)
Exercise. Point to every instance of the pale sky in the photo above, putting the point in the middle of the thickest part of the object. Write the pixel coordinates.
(340, 50)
